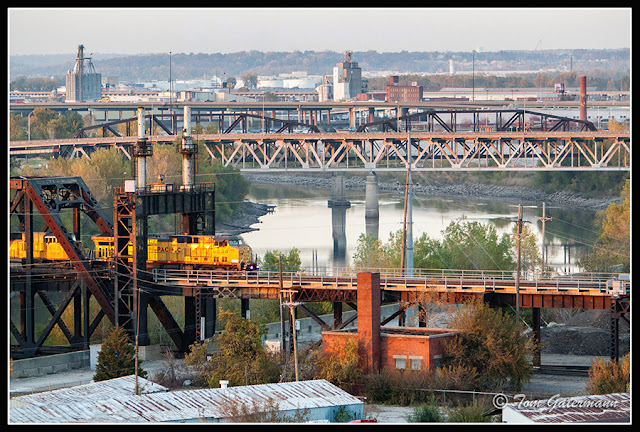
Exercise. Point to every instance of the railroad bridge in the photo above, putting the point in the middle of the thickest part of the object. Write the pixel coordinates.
(125, 290)
(126, 304)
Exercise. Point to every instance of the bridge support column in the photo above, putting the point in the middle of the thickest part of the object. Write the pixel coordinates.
(339, 205)
(535, 318)
(371, 206)
(337, 314)
(244, 309)
(352, 117)
(209, 316)
(372, 114)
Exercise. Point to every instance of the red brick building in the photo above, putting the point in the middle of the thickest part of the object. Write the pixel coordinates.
(415, 348)
(398, 93)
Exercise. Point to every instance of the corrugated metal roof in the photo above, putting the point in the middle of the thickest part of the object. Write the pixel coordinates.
(122, 386)
(189, 405)
(613, 407)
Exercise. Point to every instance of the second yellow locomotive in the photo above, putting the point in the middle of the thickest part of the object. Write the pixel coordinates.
(176, 251)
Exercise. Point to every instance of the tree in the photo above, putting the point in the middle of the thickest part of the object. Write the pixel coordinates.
(341, 365)
(370, 253)
(530, 259)
(117, 357)
(472, 245)
(291, 261)
(491, 342)
(238, 355)
(250, 80)
(613, 245)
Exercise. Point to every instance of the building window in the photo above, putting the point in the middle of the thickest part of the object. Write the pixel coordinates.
(401, 361)
(415, 362)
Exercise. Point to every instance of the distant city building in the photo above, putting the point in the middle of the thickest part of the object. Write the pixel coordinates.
(83, 84)
(398, 93)
(325, 90)
(347, 79)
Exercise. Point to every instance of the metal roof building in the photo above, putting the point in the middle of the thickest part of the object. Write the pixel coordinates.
(609, 408)
(95, 391)
(318, 399)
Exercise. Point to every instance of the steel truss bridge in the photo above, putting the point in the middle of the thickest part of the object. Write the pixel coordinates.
(515, 139)
(386, 151)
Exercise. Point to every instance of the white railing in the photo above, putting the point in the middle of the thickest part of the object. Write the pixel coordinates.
(347, 276)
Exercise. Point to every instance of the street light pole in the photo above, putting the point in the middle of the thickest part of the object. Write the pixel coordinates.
(473, 76)
(29, 126)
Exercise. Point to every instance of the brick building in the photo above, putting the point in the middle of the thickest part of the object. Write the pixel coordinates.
(415, 348)
(398, 93)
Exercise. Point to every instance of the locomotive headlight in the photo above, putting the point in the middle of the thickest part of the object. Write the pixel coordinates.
(234, 261)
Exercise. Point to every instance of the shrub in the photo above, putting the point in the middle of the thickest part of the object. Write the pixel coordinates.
(610, 377)
(427, 413)
(468, 414)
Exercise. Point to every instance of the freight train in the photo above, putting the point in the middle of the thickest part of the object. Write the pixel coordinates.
(175, 251)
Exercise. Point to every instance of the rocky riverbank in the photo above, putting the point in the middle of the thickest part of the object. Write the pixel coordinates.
(504, 193)
(249, 214)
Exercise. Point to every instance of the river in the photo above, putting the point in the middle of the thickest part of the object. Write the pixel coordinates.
(302, 219)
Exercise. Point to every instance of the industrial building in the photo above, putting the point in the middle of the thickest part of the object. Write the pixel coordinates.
(414, 348)
(347, 79)
(83, 84)
(397, 93)
(316, 400)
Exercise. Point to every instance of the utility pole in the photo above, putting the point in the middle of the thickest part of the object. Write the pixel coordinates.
(282, 337)
(543, 219)
(292, 305)
(406, 257)
(518, 237)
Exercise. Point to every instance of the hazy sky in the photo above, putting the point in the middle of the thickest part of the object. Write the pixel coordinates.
(224, 30)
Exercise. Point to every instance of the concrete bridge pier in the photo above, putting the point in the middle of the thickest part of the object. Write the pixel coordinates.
(371, 206)
(339, 205)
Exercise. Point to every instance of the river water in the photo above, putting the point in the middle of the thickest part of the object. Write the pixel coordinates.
(302, 220)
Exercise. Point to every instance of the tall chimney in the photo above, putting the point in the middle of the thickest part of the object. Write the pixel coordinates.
(368, 296)
(141, 151)
(583, 98)
(188, 150)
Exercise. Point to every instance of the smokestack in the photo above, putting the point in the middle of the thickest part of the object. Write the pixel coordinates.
(141, 151)
(188, 149)
(583, 98)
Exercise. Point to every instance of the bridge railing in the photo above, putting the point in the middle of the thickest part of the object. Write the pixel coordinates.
(348, 276)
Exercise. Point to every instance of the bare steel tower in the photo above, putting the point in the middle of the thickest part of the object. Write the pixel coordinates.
(83, 84)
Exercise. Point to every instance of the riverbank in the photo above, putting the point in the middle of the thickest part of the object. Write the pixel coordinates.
(504, 193)
(249, 214)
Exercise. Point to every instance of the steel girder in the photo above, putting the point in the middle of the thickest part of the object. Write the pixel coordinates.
(51, 196)
(430, 152)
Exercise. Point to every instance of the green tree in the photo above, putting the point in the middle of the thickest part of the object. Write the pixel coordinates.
(117, 357)
(530, 258)
(491, 342)
(291, 261)
(370, 253)
(238, 355)
(472, 245)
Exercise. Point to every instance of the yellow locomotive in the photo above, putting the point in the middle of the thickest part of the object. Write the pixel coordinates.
(176, 251)
(45, 247)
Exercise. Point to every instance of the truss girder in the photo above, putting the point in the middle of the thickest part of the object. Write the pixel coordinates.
(430, 153)
(49, 196)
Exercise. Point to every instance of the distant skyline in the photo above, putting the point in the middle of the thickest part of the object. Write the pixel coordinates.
(226, 30)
